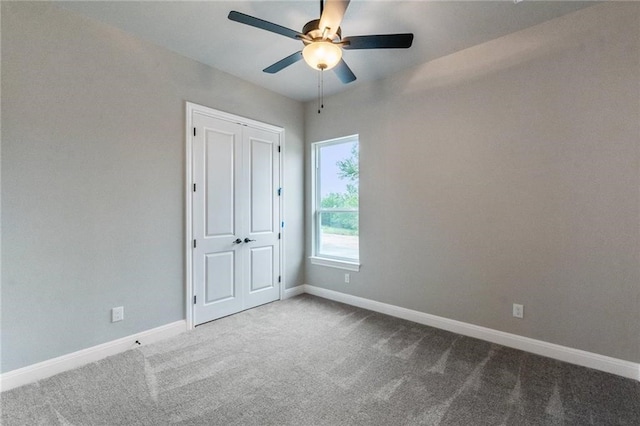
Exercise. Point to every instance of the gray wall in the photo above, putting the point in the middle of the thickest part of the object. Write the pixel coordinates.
(93, 179)
(508, 172)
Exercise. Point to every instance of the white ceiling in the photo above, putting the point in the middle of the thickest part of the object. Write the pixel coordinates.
(201, 31)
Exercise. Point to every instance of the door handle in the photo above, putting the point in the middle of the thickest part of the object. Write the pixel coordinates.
(247, 240)
(237, 241)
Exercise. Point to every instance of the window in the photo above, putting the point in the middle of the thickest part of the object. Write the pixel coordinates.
(335, 203)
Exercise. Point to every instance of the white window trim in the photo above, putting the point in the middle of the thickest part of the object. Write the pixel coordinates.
(315, 258)
(334, 263)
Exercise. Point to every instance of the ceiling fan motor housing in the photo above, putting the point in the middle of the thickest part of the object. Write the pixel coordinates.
(312, 30)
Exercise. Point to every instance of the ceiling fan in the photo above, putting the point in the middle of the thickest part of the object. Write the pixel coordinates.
(323, 42)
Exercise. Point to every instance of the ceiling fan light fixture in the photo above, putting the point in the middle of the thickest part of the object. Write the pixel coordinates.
(322, 55)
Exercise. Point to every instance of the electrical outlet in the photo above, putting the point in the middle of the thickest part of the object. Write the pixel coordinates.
(347, 278)
(518, 310)
(117, 314)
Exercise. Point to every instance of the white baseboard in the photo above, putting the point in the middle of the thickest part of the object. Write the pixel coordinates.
(293, 291)
(42, 370)
(562, 353)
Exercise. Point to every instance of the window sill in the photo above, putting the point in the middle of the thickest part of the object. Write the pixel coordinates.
(333, 263)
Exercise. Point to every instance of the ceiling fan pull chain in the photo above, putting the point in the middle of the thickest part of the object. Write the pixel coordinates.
(319, 91)
(322, 88)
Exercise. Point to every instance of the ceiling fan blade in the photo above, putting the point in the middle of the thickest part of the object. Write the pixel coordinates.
(283, 63)
(264, 25)
(382, 41)
(332, 15)
(344, 73)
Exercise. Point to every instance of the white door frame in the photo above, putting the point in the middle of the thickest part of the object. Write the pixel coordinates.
(190, 109)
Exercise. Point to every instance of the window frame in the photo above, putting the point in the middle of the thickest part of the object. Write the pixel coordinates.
(316, 258)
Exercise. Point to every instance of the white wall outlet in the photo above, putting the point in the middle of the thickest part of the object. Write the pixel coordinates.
(347, 278)
(518, 310)
(117, 314)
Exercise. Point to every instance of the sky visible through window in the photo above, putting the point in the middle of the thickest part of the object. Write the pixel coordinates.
(329, 171)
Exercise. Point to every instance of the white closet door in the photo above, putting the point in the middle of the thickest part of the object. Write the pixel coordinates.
(235, 217)
(262, 216)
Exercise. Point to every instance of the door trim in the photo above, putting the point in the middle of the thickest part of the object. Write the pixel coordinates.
(188, 243)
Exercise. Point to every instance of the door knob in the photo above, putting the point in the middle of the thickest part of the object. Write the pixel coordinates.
(237, 241)
(246, 240)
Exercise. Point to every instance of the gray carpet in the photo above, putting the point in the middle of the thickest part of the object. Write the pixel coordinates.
(309, 361)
